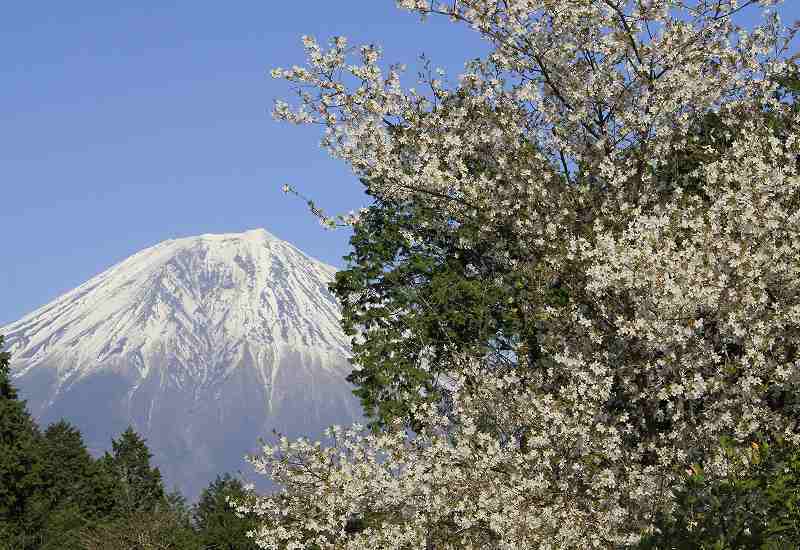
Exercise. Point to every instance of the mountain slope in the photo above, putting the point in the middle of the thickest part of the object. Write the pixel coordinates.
(203, 344)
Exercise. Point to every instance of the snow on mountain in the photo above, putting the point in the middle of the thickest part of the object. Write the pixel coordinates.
(203, 344)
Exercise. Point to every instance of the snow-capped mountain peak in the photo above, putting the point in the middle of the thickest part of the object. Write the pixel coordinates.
(202, 296)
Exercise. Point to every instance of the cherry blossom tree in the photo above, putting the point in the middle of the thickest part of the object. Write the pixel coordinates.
(680, 330)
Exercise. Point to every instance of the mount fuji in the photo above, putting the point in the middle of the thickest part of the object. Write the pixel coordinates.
(202, 344)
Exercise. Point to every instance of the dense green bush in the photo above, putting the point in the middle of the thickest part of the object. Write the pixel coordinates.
(756, 506)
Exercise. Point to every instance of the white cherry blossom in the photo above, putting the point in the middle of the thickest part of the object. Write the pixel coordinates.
(661, 288)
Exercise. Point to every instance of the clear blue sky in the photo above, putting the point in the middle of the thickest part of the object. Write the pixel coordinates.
(123, 124)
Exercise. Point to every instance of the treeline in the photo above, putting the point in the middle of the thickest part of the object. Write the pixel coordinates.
(55, 496)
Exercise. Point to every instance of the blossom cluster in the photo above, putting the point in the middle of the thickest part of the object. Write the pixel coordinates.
(685, 313)
(453, 484)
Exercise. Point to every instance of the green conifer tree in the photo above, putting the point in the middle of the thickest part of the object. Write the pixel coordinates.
(20, 462)
(217, 523)
(71, 474)
(76, 491)
(139, 487)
